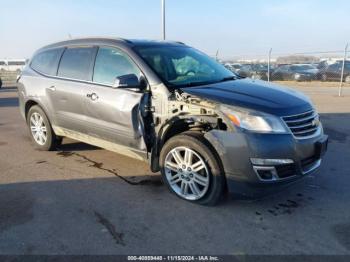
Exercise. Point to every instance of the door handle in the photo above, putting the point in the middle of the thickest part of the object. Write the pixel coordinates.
(52, 88)
(92, 96)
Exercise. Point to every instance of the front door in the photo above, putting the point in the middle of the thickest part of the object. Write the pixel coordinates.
(113, 114)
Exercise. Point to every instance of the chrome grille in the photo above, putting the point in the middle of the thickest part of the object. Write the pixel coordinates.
(303, 125)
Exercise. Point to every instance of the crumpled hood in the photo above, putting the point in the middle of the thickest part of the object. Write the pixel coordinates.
(254, 94)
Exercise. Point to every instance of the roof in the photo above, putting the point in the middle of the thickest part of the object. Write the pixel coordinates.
(112, 41)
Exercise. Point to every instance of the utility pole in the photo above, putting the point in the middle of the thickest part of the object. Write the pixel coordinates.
(163, 19)
(217, 55)
(342, 70)
(269, 65)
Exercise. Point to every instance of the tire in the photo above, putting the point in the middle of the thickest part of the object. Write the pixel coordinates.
(256, 77)
(39, 128)
(208, 180)
(324, 77)
(347, 79)
(295, 78)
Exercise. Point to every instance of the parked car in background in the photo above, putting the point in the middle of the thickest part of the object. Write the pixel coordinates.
(255, 71)
(233, 67)
(244, 70)
(296, 72)
(333, 72)
(236, 67)
(204, 128)
(229, 67)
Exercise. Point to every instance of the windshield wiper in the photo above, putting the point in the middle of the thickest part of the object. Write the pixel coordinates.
(202, 83)
(198, 83)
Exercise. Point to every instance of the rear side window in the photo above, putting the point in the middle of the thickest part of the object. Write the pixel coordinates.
(46, 62)
(77, 63)
(111, 63)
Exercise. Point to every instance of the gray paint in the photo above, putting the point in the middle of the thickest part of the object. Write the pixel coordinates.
(116, 120)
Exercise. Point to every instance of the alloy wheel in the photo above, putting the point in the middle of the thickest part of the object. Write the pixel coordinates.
(187, 173)
(38, 128)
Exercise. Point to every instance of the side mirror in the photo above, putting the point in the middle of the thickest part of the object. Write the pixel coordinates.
(127, 81)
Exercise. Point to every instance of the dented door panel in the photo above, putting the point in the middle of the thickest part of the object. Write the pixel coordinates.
(113, 115)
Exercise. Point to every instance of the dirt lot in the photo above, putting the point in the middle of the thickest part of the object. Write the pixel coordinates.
(85, 200)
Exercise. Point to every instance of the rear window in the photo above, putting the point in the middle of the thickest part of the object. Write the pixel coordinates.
(76, 63)
(46, 62)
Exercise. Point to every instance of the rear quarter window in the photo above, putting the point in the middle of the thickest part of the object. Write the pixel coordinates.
(77, 63)
(46, 62)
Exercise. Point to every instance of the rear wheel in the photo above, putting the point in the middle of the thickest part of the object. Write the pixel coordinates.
(191, 170)
(41, 131)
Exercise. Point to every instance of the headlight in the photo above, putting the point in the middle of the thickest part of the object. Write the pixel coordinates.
(254, 121)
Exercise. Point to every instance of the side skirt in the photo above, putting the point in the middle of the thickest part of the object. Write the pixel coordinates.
(123, 150)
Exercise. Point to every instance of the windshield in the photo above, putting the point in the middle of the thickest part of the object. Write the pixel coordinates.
(181, 66)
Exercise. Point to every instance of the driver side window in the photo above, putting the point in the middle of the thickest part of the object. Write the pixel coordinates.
(111, 63)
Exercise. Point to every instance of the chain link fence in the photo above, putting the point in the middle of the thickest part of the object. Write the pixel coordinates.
(322, 68)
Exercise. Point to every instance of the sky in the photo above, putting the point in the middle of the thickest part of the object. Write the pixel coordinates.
(234, 27)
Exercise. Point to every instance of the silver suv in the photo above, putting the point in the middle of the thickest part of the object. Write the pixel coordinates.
(206, 129)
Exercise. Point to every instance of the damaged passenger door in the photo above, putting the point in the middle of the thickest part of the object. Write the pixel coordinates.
(113, 106)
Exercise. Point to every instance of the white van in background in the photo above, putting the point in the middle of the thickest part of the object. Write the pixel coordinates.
(12, 64)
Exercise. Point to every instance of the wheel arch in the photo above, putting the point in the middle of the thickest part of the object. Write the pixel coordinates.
(174, 127)
(33, 102)
(28, 105)
(171, 128)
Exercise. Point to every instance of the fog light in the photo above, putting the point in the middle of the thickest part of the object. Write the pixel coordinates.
(270, 162)
(266, 173)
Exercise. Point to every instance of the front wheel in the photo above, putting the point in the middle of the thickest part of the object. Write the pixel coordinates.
(257, 77)
(191, 170)
(41, 131)
(347, 79)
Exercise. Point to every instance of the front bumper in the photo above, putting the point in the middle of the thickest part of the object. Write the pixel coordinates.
(237, 149)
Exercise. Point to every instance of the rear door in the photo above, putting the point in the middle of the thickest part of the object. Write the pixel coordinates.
(67, 94)
(113, 114)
